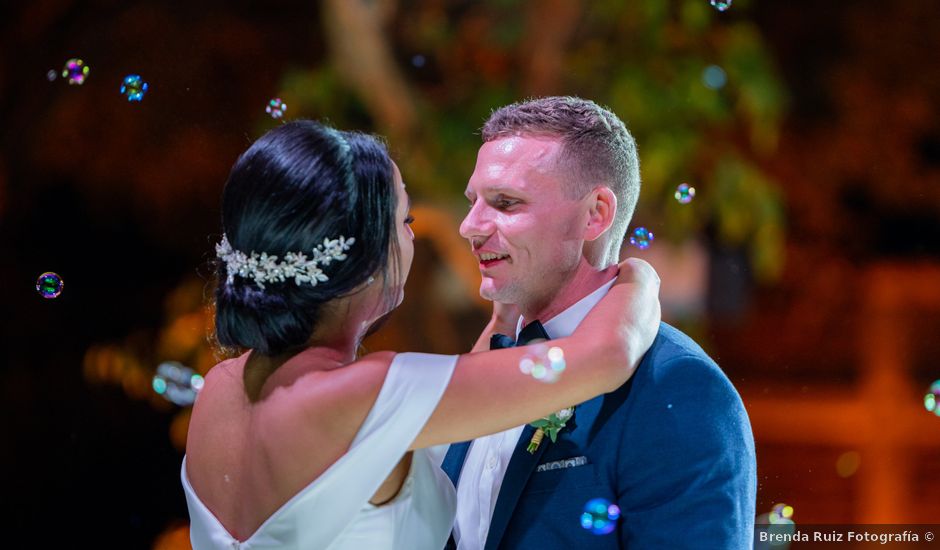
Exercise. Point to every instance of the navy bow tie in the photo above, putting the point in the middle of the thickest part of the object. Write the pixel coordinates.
(532, 331)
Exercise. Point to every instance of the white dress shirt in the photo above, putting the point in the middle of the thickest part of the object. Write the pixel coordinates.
(488, 457)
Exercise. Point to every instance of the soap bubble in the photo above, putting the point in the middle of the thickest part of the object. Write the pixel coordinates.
(51, 75)
(685, 193)
(720, 5)
(133, 87)
(543, 363)
(932, 399)
(49, 285)
(276, 108)
(847, 463)
(781, 513)
(641, 238)
(526, 364)
(600, 516)
(177, 383)
(539, 371)
(776, 524)
(76, 71)
(418, 61)
(714, 77)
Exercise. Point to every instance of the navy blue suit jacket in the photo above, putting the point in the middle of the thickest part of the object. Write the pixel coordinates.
(672, 448)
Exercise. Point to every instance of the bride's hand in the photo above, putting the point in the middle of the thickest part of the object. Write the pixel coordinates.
(635, 270)
(626, 320)
(504, 320)
(603, 353)
(505, 317)
(643, 283)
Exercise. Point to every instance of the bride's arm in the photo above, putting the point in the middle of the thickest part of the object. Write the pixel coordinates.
(488, 394)
(504, 321)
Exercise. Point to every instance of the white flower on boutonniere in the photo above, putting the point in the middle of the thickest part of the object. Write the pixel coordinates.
(551, 425)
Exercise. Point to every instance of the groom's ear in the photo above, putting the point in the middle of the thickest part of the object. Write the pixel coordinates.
(601, 210)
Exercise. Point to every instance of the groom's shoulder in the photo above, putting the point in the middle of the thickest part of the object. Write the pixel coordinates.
(675, 366)
(664, 399)
(670, 344)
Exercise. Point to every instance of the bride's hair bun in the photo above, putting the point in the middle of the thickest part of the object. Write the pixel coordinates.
(297, 185)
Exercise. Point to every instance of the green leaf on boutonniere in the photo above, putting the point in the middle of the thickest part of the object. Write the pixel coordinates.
(551, 425)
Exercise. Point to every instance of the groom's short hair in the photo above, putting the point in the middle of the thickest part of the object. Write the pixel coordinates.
(596, 149)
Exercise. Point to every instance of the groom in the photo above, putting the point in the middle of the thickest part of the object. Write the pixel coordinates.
(552, 194)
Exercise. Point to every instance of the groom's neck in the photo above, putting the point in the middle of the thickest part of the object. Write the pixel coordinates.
(572, 291)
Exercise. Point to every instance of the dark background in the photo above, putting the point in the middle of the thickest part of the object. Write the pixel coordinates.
(828, 327)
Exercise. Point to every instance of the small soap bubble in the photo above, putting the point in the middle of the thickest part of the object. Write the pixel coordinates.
(276, 108)
(49, 285)
(777, 523)
(76, 71)
(543, 363)
(133, 87)
(556, 358)
(714, 77)
(418, 61)
(177, 383)
(847, 463)
(539, 371)
(641, 238)
(932, 399)
(781, 513)
(526, 365)
(600, 516)
(720, 5)
(51, 75)
(685, 193)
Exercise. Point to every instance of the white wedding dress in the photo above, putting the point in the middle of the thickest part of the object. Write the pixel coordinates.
(334, 512)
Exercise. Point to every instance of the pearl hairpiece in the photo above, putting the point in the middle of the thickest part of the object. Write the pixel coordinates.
(265, 268)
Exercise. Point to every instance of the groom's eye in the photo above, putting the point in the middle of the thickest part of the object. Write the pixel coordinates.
(503, 203)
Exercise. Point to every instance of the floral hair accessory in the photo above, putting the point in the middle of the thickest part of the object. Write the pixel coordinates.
(265, 268)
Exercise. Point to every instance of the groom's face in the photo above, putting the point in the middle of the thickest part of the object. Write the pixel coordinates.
(525, 232)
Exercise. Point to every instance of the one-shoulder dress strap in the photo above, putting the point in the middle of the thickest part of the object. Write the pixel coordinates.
(412, 389)
(318, 514)
(411, 392)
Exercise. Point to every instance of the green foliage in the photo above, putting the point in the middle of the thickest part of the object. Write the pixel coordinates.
(644, 59)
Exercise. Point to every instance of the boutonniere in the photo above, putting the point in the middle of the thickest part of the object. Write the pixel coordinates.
(551, 425)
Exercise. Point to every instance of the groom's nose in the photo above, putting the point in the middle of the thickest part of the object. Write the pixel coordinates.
(477, 223)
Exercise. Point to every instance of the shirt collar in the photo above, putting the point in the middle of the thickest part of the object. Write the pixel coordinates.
(567, 321)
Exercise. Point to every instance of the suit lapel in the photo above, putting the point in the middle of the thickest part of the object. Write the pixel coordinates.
(454, 459)
(520, 468)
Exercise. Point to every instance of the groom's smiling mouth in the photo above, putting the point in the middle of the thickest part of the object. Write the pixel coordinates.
(489, 259)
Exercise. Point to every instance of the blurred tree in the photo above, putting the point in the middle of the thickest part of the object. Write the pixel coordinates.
(696, 87)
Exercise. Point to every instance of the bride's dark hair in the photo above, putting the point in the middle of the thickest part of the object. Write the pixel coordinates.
(297, 185)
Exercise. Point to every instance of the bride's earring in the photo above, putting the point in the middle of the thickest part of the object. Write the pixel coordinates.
(370, 281)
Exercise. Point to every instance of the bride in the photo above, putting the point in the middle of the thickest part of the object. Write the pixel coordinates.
(301, 444)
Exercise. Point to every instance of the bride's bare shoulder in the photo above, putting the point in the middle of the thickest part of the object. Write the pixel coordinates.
(355, 380)
(227, 368)
(343, 396)
(330, 395)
